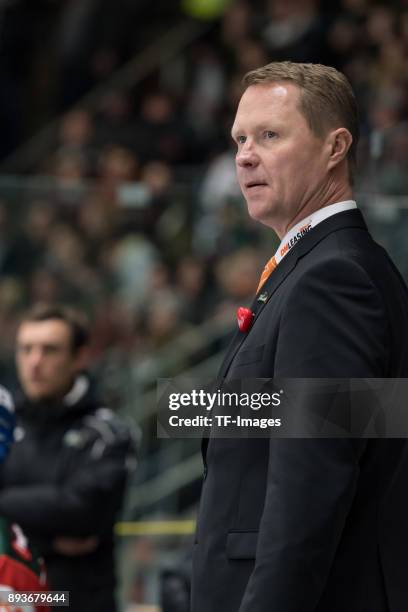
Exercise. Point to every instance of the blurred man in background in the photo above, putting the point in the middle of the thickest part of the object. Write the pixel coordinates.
(64, 479)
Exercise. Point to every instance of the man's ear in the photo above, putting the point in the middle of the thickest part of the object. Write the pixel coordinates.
(339, 144)
(82, 359)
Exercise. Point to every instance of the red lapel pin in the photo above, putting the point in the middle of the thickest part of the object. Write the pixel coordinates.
(245, 317)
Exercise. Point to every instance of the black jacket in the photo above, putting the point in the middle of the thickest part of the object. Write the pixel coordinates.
(65, 476)
(311, 525)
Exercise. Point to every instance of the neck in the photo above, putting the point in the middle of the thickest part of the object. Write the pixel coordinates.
(328, 194)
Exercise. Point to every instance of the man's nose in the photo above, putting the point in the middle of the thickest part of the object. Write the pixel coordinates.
(247, 156)
(35, 358)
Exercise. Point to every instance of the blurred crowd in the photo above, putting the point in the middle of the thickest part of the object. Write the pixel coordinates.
(133, 213)
(140, 220)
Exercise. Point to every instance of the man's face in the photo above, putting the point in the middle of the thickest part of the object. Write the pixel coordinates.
(281, 164)
(45, 362)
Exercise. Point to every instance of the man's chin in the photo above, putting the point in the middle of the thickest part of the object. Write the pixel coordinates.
(259, 211)
(38, 394)
(265, 212)
(256, 209)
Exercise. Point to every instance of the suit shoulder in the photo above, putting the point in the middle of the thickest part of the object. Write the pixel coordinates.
(333, 266)
(354, 257)
(335, 281)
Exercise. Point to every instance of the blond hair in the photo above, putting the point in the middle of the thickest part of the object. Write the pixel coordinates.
(326, 97)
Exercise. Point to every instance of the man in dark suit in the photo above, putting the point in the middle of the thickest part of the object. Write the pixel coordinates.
(308, 525)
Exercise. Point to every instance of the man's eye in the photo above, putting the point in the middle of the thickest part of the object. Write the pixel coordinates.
(269, 134)
(241, 139)
(23, 350)
(50, 350)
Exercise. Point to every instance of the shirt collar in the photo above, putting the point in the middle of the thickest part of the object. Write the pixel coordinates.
(301, 228)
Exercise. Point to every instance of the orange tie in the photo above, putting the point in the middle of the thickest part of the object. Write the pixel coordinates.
(267, 271)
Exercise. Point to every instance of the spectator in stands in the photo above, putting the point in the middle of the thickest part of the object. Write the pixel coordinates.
(234, 275)
(64, 479)
(295, 30)
(76, 131)
(194, 288)
(161, 132)
(28, 244)
(115, 119)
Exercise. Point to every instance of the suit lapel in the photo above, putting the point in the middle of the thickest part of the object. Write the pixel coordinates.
(349, 218)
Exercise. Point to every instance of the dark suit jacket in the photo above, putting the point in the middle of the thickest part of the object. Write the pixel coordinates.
(302, 525)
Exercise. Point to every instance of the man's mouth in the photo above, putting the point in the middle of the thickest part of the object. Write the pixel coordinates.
(251, 184)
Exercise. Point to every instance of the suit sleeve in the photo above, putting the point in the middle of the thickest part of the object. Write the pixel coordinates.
(87, 502)
(334, 326)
